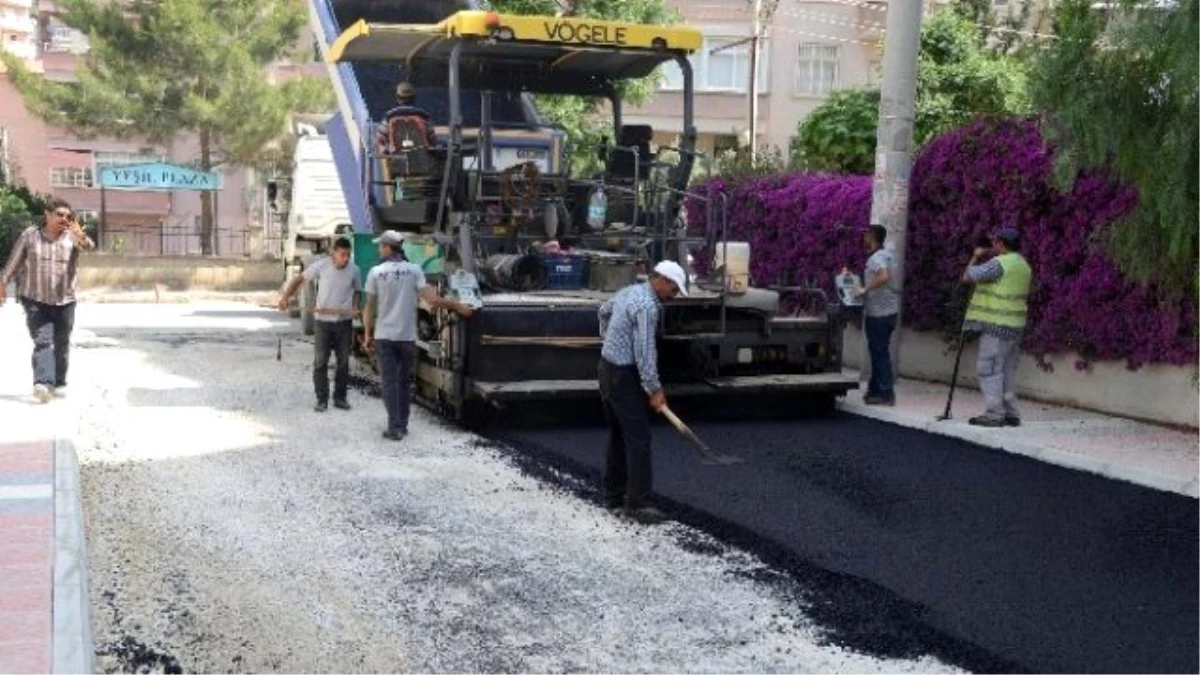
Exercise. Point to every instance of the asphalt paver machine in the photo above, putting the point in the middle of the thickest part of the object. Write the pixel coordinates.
(497, 219)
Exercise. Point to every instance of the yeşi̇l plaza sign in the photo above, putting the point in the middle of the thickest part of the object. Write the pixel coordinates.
(157, 176)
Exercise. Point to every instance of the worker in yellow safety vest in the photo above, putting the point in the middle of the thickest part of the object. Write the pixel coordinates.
(998, 312)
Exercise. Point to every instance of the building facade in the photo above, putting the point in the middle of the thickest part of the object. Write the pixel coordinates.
(809, 49)
(55, 161)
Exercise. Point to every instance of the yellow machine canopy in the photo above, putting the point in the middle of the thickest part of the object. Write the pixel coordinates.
(504, 52)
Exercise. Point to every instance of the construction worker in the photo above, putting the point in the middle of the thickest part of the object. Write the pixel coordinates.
(629, 387)
(393, 289)
(998, 311)
(338, 285)
(45, 259)
(406, 96)
(881, 308)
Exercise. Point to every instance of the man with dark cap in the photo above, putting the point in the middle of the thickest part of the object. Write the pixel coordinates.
(998, 311)
(406, 96)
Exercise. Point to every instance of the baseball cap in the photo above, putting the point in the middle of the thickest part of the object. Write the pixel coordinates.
(1008, 234)
(671, 270)
(390, 237)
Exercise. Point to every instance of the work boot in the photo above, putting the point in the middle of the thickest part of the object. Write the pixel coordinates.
(987, 421)
(321, 406)
(1012, 421)
(341, 404)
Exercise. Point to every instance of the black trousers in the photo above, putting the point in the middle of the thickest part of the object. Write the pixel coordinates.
(50, 328)
(332, 337)
(396, 360)
(628, 476)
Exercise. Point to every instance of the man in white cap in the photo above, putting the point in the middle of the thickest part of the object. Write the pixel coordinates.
(394, 287)
(629, 387)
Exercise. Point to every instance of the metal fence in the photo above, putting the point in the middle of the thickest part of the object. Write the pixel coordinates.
(185, 240)
(163, 239)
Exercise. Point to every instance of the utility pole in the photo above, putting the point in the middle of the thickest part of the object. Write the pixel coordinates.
(893, 152)
(763, 11)
(756, 27)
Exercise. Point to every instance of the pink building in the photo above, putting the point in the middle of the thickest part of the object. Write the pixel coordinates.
(55, 161)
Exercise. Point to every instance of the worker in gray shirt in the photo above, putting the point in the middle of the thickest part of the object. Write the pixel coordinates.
(881, 308)
(394, 287)
(338, 284)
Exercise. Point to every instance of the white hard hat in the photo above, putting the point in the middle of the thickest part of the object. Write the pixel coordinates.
(671, 270)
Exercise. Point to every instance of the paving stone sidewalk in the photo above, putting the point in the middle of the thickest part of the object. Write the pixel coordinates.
(44, 624)
(1138, 452)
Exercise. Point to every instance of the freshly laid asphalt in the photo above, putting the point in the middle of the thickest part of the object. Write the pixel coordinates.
(900, 542)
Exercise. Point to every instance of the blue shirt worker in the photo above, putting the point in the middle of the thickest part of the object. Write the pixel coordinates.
(881, 307)
(998, 311)
(406, 96)
(629, 387)
(338, 285)
(394, 289)
(44, 262)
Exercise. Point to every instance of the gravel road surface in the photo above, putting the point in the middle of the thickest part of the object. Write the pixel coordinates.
(232, 529)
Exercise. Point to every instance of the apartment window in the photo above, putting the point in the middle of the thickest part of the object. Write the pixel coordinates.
(70, 177)
(725, 70)
(817, 70)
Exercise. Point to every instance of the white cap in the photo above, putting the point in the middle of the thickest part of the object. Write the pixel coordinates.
(671, 270)
(390, 237)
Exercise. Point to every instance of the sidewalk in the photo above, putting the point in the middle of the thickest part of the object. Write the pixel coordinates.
(44, 606)
(1137, 452)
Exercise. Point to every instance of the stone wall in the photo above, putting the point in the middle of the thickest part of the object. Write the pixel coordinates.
(177, 273)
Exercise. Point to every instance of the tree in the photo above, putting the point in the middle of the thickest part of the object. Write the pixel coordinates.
(158, 68)
(581, 117)
(839, 136)
(959, 78)
(19, 207)
(1119, 88)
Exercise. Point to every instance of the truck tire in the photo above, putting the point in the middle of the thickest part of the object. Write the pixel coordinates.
(307, 302)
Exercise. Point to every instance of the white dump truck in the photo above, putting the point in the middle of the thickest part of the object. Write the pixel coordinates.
(316, 213)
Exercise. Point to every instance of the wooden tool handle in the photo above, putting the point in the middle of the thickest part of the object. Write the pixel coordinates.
(673, 419)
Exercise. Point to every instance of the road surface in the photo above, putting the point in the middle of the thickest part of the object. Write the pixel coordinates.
(230, 528)
(915, 543)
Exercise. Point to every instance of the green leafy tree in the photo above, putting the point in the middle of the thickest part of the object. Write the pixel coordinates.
(158, 68)
(959, 77)
(582, 118)
(839, 136)
(1119, 88)
(19, 207)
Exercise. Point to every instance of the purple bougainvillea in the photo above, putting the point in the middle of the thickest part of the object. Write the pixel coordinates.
(805, 228)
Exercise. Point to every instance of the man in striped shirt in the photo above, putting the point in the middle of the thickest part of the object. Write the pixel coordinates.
(44, 261)
(628, 382)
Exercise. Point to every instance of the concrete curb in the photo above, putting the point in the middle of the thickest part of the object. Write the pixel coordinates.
(72, 633)
(1070, 460)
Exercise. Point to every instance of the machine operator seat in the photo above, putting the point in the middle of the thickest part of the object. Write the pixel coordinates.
(621, 161)
(407, 140)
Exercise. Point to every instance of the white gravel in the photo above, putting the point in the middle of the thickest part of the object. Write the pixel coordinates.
(233, 529)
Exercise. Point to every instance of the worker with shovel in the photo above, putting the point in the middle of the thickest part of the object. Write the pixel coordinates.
(998, 312)
(630, 388)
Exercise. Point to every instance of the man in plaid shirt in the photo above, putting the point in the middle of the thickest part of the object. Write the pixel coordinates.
(44, 262)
